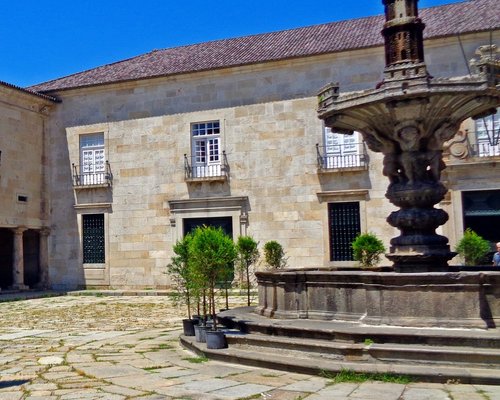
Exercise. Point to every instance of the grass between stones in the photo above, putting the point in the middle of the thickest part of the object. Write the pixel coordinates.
(347, 375)
(196, 360)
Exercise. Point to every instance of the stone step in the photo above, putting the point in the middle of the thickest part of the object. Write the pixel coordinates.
(309, 363)
(245, 320)
(385, 352)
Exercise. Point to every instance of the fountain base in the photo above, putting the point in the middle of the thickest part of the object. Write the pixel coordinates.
(462, 299)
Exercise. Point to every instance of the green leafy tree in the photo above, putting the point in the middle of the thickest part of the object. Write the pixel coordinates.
(274, 255)
(248, 254)
(181, 274)
(472, 248)
(367, 249)
(211, 251)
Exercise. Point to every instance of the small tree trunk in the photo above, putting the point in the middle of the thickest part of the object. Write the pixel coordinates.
(204, 306)
(188, 304)
(248, 284)
(214, 318)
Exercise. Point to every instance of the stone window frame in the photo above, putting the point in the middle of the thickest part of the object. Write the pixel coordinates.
(73, 138)
(358, 195)
(94, 150)
(101, 269)
(206, 138)
(235, 207)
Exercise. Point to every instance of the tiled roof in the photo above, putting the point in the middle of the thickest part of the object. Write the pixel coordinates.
(447, 20)
(29, 91)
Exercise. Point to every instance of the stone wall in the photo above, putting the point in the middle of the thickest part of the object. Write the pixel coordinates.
(269, 130)
(23, 196)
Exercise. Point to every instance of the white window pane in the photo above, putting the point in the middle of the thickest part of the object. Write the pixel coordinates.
(200, 151)
(94, 140)
(213, 146)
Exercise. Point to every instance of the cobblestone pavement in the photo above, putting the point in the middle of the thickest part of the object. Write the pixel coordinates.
(126, 347)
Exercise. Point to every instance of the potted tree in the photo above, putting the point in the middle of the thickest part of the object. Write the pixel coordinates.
(248, 254)
(227, 276)
(182, 276)
(211, 251)
(472, 248)
(367, 249)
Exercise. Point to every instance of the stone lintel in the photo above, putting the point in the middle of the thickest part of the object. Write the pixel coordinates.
(343, 195)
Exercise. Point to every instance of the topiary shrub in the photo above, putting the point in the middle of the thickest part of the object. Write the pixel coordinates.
(472, 248)
(274, 255)
(367, 249)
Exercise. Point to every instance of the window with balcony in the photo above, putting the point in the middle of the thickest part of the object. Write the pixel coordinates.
(341, 151)
(487, 136)
(93, 168)
(207, 160)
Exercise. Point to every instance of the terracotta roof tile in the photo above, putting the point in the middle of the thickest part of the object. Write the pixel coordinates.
(452, 19)
(29, 91)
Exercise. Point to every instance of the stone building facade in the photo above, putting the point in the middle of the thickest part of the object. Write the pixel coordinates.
(24, 213)
(121, 161)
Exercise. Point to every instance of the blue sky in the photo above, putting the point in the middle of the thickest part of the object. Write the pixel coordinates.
(43, 40)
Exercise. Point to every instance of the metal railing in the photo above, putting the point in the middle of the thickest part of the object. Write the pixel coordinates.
(484, 149)
(335, 157)
(196, 170)
(94, 178)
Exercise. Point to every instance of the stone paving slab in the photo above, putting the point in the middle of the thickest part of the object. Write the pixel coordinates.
(378, 390)
(246, 390)
(425, 394)
(127, 348)
(22, 334)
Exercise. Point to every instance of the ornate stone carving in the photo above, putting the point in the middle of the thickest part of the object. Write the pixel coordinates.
(458, 146)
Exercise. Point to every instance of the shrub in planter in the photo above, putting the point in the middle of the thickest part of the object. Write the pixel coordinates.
(248, 254)
(274, 255)
(367, 249)
(472, 248)
(180, 271)
(211, 251)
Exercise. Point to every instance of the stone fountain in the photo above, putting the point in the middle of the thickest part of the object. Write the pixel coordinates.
(407, 117)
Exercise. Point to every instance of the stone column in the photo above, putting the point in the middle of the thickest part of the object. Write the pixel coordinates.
(44, 259)
(18, 260)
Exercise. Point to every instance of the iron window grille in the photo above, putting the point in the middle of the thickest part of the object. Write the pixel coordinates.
(93, 238)
(344, 225)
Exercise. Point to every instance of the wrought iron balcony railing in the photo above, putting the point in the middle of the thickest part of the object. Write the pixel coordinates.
(485, 149)
(92, 175)
(198, 168)
(332, 158)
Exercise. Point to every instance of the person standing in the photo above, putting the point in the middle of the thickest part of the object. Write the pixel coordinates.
(496, 256)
